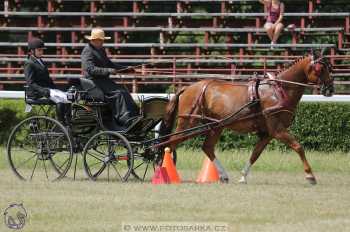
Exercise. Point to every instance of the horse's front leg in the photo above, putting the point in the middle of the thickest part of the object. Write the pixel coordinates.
(285, 137)
(264, 139)
(209, 149)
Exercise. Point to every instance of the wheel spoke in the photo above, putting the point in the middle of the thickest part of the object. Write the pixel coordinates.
(19, 149)
(94, 164)
(27, 160)
(47, 177)
(108, 172)
(100, 144)
(36, 162)
(96, 157)
(100, 171)
(117, 171)
(59, 153)
(60, 167)
(144, 175)
(53, 127)
(139, 165)
(53, 141)
(100, 152)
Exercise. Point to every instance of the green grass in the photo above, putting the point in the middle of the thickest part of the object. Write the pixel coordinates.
(277, 198)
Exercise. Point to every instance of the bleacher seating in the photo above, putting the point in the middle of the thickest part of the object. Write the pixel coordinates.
(174, 37)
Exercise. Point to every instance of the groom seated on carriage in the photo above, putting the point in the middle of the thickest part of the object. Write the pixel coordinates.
(40, 88)
(98, 67)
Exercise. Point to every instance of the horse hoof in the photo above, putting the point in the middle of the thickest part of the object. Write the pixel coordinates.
(224, 180)
(243, 180)
(311, 180)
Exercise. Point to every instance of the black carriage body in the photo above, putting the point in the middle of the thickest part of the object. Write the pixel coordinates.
(87, 129)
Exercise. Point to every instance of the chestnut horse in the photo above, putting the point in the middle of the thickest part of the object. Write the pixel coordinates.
(274, 101)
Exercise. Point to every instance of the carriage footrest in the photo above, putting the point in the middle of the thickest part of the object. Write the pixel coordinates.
(140, 125)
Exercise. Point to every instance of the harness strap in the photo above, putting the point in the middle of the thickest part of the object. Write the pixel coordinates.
(253, 85)
(251, 91)
(198, 117)
(293, 83)
(283, 103)
(199, 101)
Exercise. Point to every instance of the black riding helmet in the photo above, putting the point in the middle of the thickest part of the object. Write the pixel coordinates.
(35, 43)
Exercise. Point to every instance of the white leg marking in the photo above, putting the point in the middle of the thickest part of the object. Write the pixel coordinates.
(245, 173)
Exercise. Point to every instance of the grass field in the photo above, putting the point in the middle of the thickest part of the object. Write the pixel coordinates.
(277, 198)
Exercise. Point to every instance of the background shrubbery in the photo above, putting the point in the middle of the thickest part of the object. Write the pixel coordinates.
(318, 126)
(11, 113)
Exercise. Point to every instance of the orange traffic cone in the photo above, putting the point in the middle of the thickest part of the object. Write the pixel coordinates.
(169, 165)
(209, 173)
(160, 176)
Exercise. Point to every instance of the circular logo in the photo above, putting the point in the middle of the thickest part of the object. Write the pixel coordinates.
(15, 216)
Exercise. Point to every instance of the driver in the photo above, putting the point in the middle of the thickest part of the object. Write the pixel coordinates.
(98, 68)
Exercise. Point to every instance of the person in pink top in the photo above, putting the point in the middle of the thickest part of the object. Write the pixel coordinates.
(273, 25)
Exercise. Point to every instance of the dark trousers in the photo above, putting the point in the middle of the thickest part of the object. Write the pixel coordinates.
(123, 106)
(63, 113)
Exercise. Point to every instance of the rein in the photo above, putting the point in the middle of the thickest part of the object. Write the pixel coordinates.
(294, 83)
(312, 86)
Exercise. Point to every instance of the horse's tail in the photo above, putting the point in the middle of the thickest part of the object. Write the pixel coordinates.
(170, 114)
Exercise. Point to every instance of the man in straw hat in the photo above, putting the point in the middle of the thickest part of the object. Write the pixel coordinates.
(98, 68)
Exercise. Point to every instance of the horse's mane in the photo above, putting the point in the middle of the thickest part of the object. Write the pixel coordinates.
(291, 64)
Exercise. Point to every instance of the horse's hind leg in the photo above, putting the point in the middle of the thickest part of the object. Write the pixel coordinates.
(290, 140)
(264, 139)
(209, 149)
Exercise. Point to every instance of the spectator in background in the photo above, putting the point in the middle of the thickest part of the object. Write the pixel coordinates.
(273, 25)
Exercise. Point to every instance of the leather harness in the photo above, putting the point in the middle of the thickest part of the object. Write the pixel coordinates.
(253, 96)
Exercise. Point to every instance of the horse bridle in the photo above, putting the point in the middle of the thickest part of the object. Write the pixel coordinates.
(316, 66)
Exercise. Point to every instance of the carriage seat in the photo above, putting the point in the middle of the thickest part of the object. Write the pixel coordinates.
(35, 101)
(94, 94)
(40, 101)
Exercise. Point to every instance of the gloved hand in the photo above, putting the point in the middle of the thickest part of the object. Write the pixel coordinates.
(47, 93)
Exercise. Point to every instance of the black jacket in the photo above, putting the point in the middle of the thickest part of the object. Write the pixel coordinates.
(97, 67)
(38, 79)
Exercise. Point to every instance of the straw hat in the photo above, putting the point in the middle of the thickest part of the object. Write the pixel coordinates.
(97, 33)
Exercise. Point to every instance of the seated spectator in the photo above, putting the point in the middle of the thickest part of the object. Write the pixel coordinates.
(273, 25)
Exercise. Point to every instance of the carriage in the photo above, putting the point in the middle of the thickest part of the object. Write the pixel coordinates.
(40, 146)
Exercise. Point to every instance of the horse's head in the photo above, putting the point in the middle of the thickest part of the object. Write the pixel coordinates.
(318, 72)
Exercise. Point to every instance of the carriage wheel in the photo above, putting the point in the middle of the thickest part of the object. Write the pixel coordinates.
(108, 156)
(145, 162)
(39, 147)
